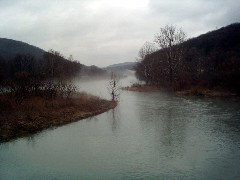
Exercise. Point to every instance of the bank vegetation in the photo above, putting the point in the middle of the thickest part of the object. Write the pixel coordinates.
(210, 62)
(36, 94)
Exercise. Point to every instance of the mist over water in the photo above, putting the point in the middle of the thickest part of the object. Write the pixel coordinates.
(152, 135)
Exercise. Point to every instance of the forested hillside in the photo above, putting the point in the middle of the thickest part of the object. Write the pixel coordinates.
(26, 70)
(10, 48)
(211, 60)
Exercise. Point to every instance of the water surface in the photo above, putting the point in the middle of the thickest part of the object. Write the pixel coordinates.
(148, 136)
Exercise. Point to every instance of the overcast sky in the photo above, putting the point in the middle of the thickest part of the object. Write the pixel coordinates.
(104, 32)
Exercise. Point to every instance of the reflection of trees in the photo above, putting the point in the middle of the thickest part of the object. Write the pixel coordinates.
(167, 136)
(33, 138)
(168, 123)
(92, 118)
(173, 131)
(114, 120)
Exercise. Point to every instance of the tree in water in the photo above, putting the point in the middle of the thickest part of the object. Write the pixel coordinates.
(113, 87)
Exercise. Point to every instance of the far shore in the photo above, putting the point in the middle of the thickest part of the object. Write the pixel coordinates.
(36, 114)
(141, 88)
(205, 92)
(195, 91)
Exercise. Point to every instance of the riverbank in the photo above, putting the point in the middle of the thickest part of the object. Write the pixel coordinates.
(205, 92)
(195, 91)
(140, 88)
(36, 113)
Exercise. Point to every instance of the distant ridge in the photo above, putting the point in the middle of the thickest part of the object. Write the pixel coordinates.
(10, 48)
(121, 66)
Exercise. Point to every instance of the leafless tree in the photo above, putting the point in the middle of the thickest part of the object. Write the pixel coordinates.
(146, 49)
(113, 87)
(170, 39)
(144, 66)
(66, 89)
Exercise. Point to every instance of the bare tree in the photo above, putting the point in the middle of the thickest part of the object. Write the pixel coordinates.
(113, 87)
(144, 67)
(170, 39)
(145, 50)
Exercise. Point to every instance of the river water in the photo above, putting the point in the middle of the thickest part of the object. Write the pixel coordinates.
(154, 135)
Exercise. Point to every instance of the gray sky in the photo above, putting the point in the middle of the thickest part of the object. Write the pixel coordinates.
(104, 32)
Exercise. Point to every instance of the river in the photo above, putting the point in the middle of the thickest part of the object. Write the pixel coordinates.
(154, 135)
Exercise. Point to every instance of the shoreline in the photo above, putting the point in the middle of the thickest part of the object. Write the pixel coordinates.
(195, 91)
(205, 92)
(141, 88)
(36, 114)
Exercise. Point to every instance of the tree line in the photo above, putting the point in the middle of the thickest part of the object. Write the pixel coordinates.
(49, 76)
(211, 60)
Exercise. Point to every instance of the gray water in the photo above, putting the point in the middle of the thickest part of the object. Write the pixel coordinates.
(154, 135)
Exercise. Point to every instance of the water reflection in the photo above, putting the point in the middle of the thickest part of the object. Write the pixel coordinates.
(148, 136)
(169, 126)
(173, 132)
(114, 121)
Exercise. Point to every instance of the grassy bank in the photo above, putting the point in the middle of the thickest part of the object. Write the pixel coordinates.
(37, 113)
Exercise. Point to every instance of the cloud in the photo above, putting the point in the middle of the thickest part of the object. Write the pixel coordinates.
(197, 16)
(104, 32)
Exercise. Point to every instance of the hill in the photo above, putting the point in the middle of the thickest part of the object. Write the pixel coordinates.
(222, 43)
(10, 48)
(19, 60)
(211, 60)
(121, 66)
(92, 71)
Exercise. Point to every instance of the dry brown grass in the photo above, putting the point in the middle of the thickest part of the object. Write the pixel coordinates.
(36, 113)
